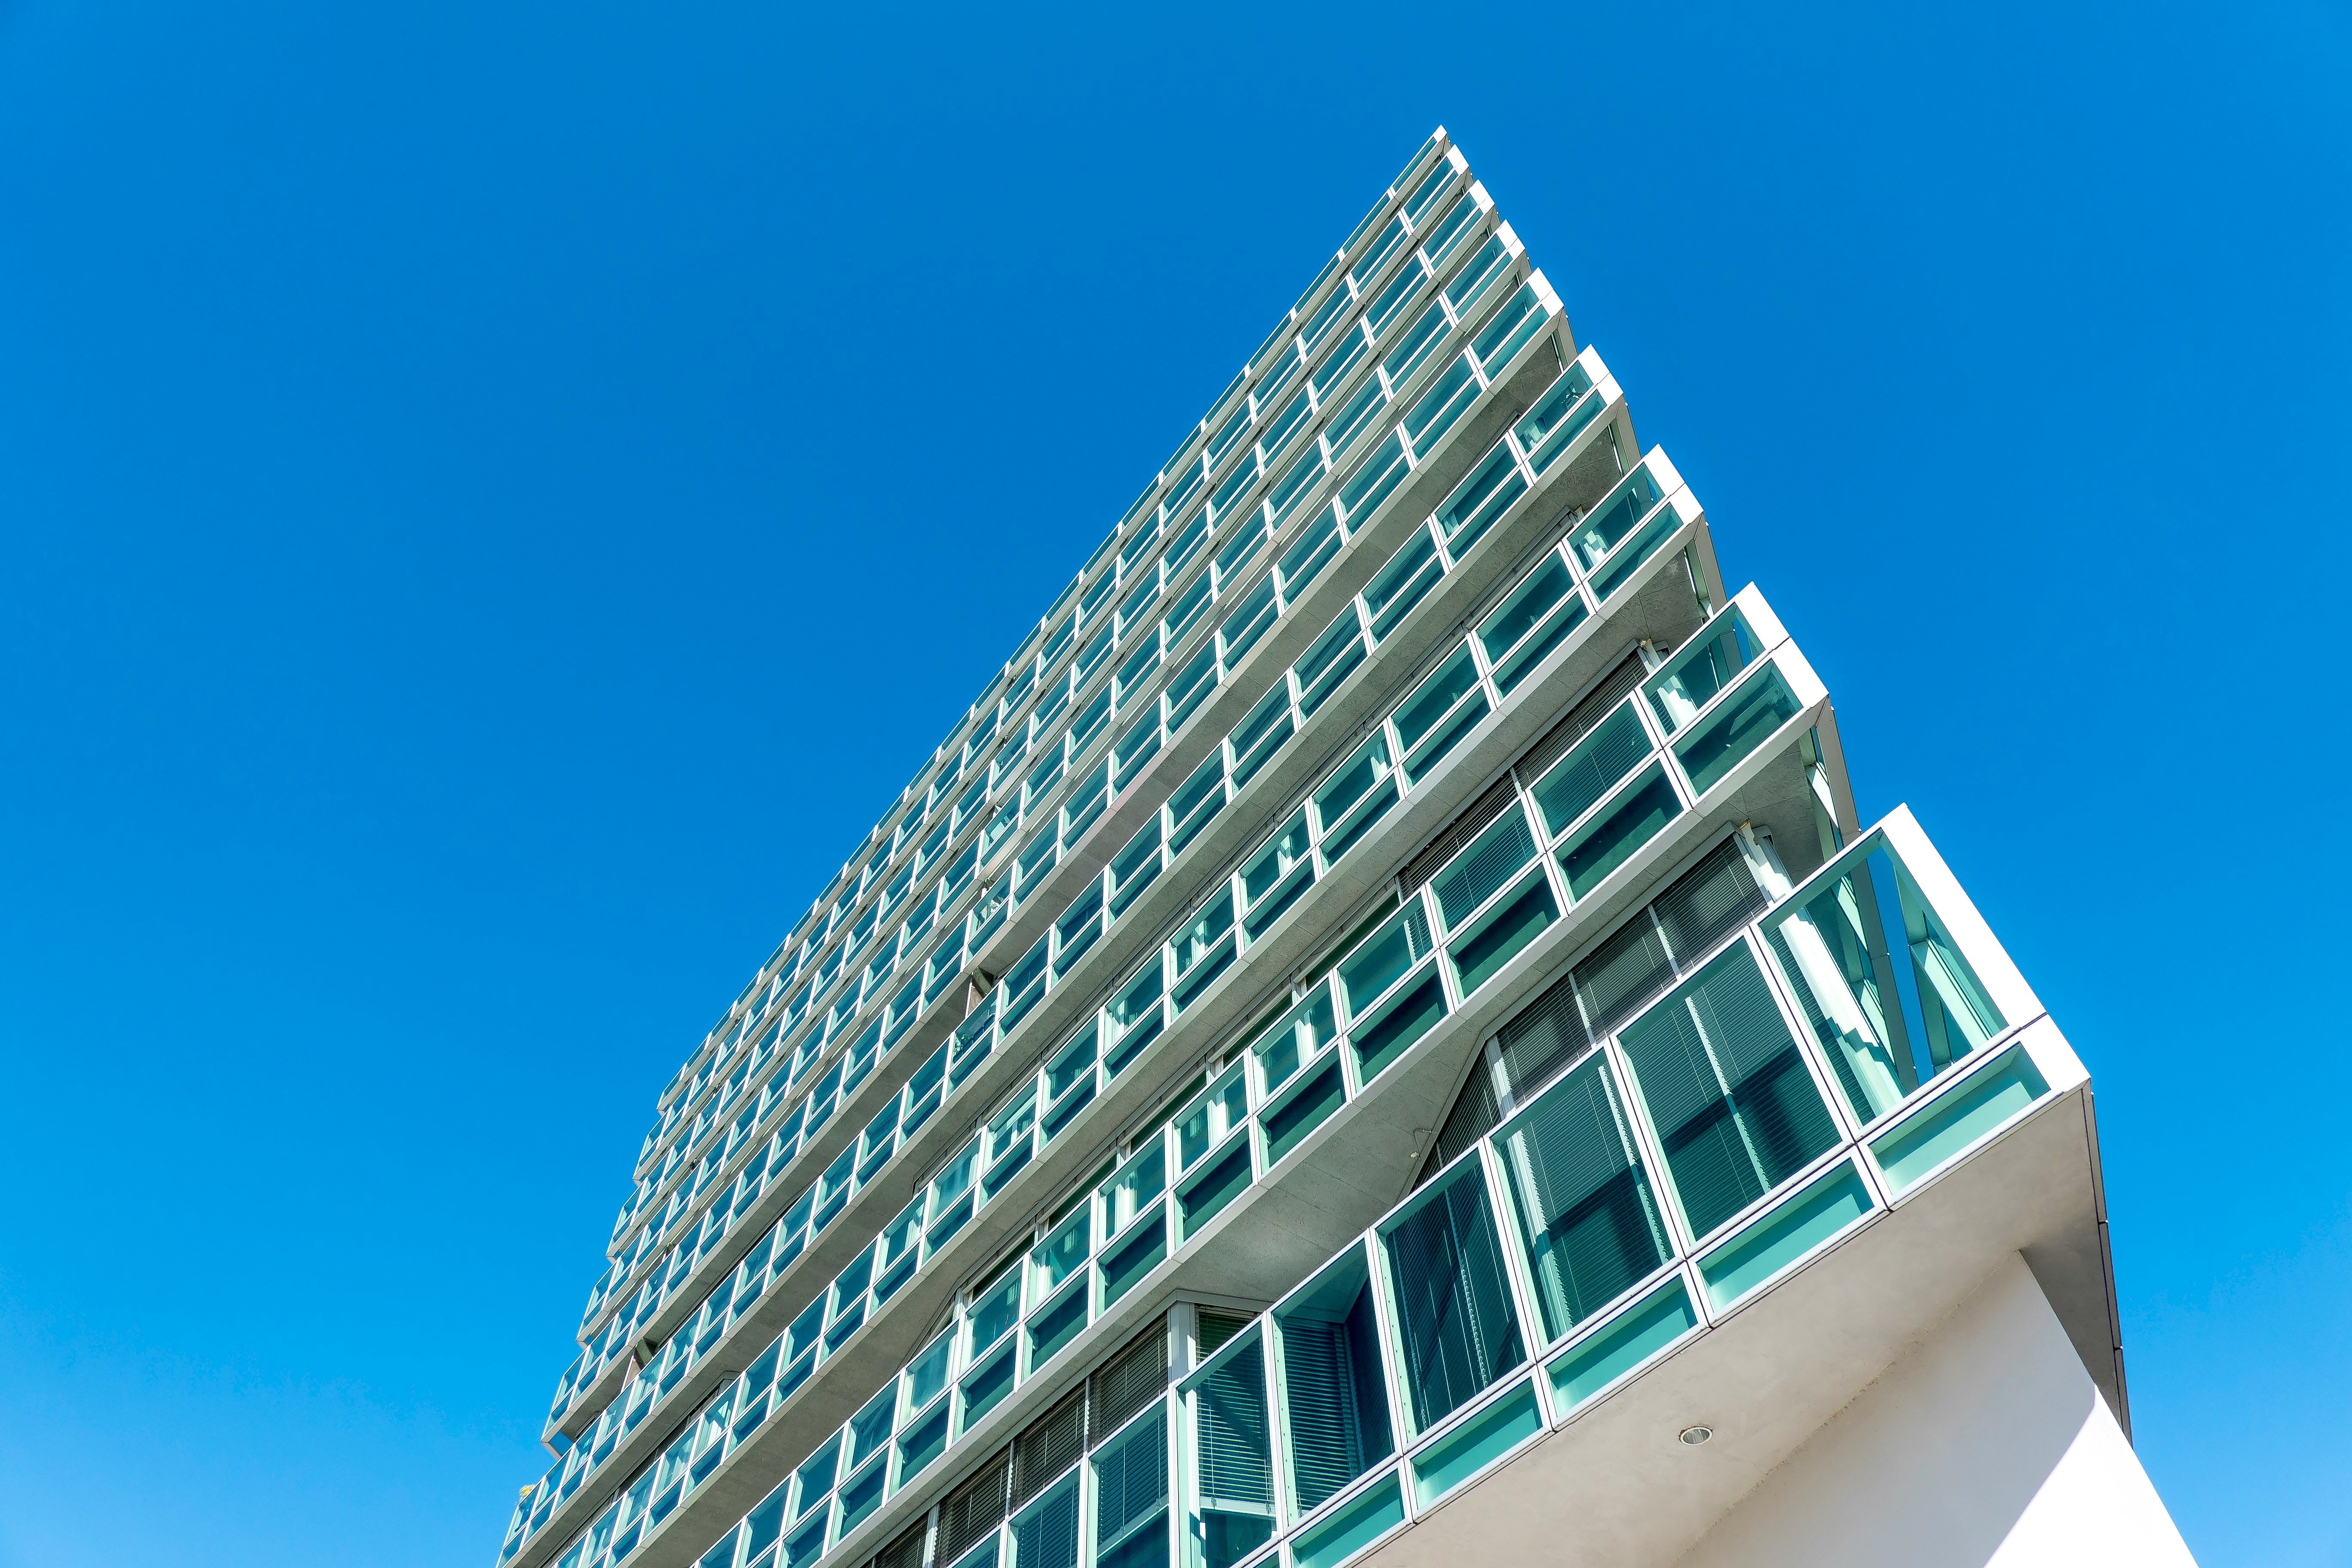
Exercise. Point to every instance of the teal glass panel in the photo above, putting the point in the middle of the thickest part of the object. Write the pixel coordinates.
(1535, 619)
(869, 1429)
(1318, 543)
(1737, 1113)
(1503, 934)
(1354, 800)
(1352, 1527)
(861, 1495)
(1126, 1262)
(1449, 231)
(1639, 1332)
(1432, 186)
(1294, 1040)
(924, 1443)
(1380, 961)
(985, 1387)
(927, 1375)
(1440, 711)
(1448, 397)
(1381, 473)
(1621, 567)
(1376, 252)
(1558, 417)
(1137, 1015)
(995, 1308)
(1333, 658)
(1486, 495)
(1396, 296)
(1587, 1216)
(1073, 1064)
(1205, 1195)
(1283, 426)
(1521, 318)
(1357, 417)
(1890, 1019)
(1139, 1181)
(1343, 357)
(1701, 667)
(980, 1556)
(1615, 516)
(1401, 1022)
(1057, 1324)
(1607, 841)
(1476, 1444)
(1415, 343)
(1132, 1496)
(1785, 1233)
(1919, 1146)
(1480, 871)
(1616, 746)
(1404, 583)
(1476, 273)
(1722, 740)
(814, 1480)
(1045, 1534)
(1302, 1109)
(1436, 698)
(1204, 1124)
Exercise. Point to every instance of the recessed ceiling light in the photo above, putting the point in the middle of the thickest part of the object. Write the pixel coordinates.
(1692, 1436)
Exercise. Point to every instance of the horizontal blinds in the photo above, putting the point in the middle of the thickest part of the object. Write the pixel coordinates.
(1235, 1464)
(1721, 1077)
(1455, 1325)
(1048, 1444)
(1128, 1381)
(1592, 1226)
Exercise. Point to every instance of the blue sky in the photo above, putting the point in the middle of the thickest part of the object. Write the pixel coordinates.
(495, 500)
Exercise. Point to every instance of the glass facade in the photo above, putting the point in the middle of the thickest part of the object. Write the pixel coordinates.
(1401, 740)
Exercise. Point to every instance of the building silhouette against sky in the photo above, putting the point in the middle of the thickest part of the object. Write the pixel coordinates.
(1380, 1037)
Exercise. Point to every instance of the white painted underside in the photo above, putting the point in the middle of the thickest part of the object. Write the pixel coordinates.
(1986, 1445)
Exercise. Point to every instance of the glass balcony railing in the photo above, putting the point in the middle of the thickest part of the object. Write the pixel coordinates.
(1424, 728)
(1494, 894)
(1592, 1231)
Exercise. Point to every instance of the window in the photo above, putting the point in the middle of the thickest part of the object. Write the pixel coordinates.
(1736, 1111)
(1456, 1330)
(1587, 1218)
(1132, 1496)
(1333, 1388)
(1233, 1456)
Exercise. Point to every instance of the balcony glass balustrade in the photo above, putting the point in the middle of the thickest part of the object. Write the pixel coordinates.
(1550, 1262)
(1490, 901)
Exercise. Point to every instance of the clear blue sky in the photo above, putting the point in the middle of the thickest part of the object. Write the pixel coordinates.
(495, 499)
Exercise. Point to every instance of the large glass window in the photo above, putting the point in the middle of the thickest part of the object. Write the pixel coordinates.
(1232, 1507)
(1736, 1111)
(1335, 1402)
(1736, 728)
(1132, 1496)
(1888, 1024)
(1456, 1330)
(1587, 1217)
(1045, 1534)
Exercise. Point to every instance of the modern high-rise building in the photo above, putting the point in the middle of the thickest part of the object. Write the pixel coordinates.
(1381, 1038)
